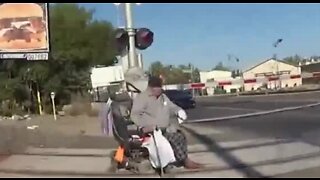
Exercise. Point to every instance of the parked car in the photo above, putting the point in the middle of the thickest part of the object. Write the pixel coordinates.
(183, 99)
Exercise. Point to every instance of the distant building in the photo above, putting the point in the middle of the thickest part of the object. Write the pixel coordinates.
(271, 68)
(307, 70)
(217, 75)
(214, 75)
(307, 62)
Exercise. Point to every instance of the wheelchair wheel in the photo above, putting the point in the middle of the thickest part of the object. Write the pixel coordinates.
(140, 167)
(168, 169)
(114, 165)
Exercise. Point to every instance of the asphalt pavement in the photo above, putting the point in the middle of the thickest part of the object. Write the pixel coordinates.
(300, 127)
(238, 107)
(297, 124)
(283, 144)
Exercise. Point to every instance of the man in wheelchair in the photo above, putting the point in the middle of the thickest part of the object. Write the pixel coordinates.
(150, 109)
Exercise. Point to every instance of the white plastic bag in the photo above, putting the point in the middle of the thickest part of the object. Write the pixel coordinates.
(165, 150)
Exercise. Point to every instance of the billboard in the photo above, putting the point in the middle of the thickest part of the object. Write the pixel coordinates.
(24, 31)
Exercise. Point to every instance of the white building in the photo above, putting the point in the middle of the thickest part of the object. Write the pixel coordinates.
(271, 68)
(176, 86)
(214, 75)
(218, 76)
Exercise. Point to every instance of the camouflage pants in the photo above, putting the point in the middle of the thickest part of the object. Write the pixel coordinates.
(178, 142)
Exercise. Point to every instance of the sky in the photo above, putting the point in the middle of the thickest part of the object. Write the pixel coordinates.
(204, 34)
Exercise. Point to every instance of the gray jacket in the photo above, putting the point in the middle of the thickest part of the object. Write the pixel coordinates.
(147, 110)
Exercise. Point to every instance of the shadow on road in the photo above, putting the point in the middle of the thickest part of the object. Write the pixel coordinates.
(248, 146)
(232, 161)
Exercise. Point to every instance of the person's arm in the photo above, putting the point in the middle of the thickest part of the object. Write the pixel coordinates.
(171, 105)
(138, 114)
(176, 109)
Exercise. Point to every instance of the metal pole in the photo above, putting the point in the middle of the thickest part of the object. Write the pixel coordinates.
(278, 82)
(118, 16)
(192, 80)
(150, 69)
(39, 100)
(52, 95)
(140, 60)
(275, 57)
(131, 33)
(157, 152)
(54, 109)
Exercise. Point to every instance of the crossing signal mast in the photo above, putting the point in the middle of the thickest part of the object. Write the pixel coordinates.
(129, 39)
(143, 39)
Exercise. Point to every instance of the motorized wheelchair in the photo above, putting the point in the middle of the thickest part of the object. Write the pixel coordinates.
(133, 156)
(130, 137)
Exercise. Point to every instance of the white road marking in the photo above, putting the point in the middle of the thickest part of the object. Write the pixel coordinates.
(233, 108)
(254, 113)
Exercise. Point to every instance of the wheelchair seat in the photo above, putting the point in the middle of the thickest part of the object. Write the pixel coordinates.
(125, 132)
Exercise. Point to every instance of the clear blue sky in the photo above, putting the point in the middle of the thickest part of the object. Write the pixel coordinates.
(205, 34)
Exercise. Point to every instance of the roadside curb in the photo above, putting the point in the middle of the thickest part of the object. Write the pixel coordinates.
(89, 152)
(194, 148)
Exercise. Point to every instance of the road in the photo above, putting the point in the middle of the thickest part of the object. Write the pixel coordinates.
(297, 130)
(209, 107)
(275, 145)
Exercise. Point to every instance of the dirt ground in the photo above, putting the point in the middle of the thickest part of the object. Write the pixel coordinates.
(67, 132)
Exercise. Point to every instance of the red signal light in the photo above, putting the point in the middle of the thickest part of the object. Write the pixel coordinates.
(144, 38)
(122, 40)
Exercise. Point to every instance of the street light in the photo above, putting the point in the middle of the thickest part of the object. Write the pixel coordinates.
(236, 71)
(275, 45)
(190, 71)
(277, 42)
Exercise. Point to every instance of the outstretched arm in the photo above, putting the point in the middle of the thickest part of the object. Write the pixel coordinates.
(176, 109)
(171, 105)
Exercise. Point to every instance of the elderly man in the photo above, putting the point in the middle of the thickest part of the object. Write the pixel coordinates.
(152, 109)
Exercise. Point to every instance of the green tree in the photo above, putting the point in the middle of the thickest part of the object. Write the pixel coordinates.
(173, 74)
(156, 68)
(196, 75)
(293, 60)
(221, 67)
(77, 43)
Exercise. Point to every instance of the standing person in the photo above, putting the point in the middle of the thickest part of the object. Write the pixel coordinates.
(152, 109)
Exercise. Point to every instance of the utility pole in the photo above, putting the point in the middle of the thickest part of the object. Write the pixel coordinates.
(275, 45)
(192, 78)
(131, 33)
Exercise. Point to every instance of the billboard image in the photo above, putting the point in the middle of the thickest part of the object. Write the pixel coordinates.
(24, 32)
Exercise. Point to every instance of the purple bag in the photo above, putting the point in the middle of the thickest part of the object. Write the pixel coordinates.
(106, 118)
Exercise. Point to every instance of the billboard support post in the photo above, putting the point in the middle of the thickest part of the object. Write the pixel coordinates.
(39, 100)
